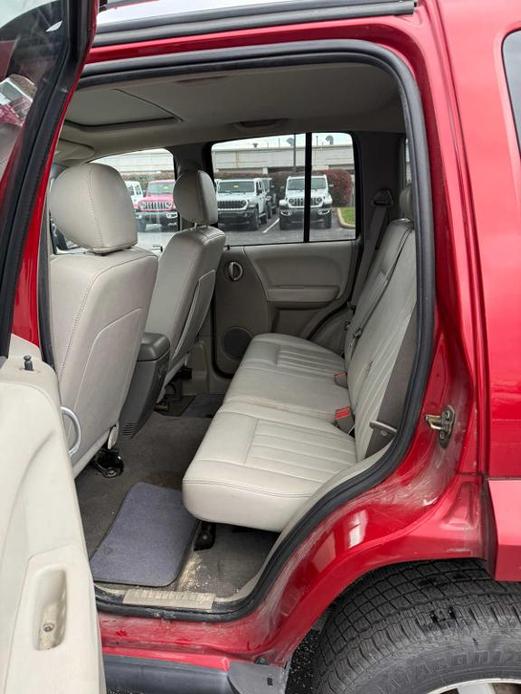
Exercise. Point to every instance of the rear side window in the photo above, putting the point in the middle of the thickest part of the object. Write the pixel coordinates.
(512, 58)
(261, 188)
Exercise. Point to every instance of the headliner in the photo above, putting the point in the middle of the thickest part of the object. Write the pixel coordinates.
(175, 110)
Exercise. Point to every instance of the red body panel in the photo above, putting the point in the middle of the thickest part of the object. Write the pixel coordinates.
(433, 506)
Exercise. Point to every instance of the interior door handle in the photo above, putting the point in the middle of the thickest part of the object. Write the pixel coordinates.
(235, 271)
(66, 412)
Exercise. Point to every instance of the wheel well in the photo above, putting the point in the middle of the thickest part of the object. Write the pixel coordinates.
(409, 602)
(438, 566)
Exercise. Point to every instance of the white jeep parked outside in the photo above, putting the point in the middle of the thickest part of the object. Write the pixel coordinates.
(242, 201)
(291, 208)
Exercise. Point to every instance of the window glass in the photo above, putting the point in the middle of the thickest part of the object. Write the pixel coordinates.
(118, 11)
(149, 177)
(332, 215)
(32, 44)
(250, 180)
(512, 57)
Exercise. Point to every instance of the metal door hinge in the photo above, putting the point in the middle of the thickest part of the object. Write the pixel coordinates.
(442, 423)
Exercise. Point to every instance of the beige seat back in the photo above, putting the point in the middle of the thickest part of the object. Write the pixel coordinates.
(187, 268)
(99, 299)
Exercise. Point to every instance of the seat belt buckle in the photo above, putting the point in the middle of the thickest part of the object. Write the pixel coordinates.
(344, 419)
(341, 379)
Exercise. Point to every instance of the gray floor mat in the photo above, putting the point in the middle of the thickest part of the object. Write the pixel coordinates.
(148, 540)
(158, 454)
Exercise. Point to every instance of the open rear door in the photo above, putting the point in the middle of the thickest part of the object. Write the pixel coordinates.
(49, 636)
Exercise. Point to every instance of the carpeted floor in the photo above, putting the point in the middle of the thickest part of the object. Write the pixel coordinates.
(159, 454)
(235, 558)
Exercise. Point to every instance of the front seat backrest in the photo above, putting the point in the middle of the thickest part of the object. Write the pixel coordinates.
(99, 299)
(187, 268)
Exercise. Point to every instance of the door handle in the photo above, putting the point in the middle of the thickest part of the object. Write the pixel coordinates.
(235, 271)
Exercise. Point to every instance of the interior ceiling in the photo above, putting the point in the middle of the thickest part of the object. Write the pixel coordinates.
(169, 111)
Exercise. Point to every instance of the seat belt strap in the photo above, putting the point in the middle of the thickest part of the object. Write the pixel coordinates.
(382, 202)
(340, 379)
(387, 421)
(376, 300)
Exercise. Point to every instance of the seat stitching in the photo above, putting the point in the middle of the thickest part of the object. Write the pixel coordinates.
(299, 453)
(264, 419)
(339, 465)
(307, 443)
(260, 491)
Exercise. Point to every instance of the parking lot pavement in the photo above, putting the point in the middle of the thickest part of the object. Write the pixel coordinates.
(155, 239)
(271, 233)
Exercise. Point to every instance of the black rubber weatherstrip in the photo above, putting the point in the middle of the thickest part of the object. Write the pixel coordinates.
(313, 53)
(44, 303)
(246, 17)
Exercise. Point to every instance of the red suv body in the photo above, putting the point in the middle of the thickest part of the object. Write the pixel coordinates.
(453, 498)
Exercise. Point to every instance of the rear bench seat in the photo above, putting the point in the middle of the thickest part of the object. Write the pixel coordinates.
(274, 442)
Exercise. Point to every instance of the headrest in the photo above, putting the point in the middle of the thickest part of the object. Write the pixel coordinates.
(194, 196)
(91, 206)
(406, 206)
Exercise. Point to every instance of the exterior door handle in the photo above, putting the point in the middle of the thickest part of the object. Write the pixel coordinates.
(235, 271)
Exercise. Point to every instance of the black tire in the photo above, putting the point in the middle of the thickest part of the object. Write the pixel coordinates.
(255, 221)
(416, 628)
(283, 225)
(327, 221)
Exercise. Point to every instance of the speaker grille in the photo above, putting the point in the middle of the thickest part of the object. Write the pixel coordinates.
(235, 342)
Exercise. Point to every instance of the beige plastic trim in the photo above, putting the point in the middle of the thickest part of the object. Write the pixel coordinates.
(49, 634)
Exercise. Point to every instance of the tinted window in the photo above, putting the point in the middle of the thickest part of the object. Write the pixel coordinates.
(512, 57)
(251, 180)
(235, 187)
(332, 192)
(260, 185)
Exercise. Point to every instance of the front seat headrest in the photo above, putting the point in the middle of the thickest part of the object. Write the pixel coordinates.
(406, 206)
(91, 206)
(195, 199)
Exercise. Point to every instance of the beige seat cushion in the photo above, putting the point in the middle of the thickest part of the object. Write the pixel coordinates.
(272, 445)
(256, 466)
(290, 373)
